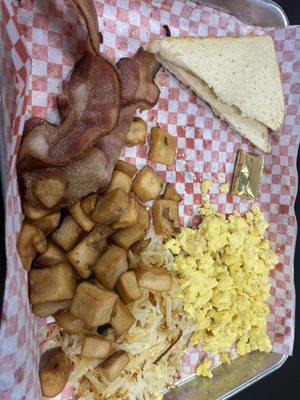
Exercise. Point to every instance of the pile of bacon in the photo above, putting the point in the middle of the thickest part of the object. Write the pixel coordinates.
(96, 108)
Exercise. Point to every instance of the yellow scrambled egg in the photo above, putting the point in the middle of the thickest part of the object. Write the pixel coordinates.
(223, 268)
(206, 185)
(224, 188)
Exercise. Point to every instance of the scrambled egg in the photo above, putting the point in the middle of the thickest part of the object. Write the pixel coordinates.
(206, 185)
(223, 269)
(224, 188)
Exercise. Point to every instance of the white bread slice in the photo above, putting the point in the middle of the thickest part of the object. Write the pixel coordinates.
(242, 71)
(249, 128)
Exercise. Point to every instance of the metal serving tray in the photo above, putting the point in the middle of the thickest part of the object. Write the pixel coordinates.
(228, 380)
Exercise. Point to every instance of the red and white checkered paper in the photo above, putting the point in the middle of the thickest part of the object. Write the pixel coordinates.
(43, 39)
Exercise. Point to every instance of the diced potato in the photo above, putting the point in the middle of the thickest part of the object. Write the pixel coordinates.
(110, 207)
(68, 234)
(127, 236)
(133, 259)
(95, 346)
(154, 278)
(48, 223)
(137, 132)
(147, 185)
(51, 284)
(88, 203)
(52, 256)
(70, 323)
(144, 217)
(54, 372)
(162, 147)
(130, 216)
(84, 256)
(114, 365)
(126, 167)
(127, 287)
(121, 318)
(48, 308)
(171, 193)
(93, 305)
(31, 241)
(120, 180)
(80, 217)
(32, 212)
(49, 191)
(166, 217)
(110, 266)
(140, 246)
(108, 332)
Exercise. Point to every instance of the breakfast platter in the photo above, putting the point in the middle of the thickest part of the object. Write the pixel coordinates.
(150, 178)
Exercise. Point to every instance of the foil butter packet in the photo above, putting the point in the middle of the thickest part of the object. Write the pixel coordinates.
(40, 42)
(247, 175)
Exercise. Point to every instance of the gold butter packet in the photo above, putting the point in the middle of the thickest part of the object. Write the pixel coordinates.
(247, 175)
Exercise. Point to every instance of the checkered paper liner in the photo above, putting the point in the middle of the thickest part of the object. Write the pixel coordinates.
(44, 38)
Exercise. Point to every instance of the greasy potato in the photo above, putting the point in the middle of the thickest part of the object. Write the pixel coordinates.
(140, 246)
(110, 207)
(162, 147)
(143, 217)
(137, 132)
(48, 223)
(111, 266)
(84, 256)
(32, 212)
(80, 217)
(52, 256)
(127, 236)
(70, 323)
(166, 217)
(93, 305)
(48, 308)
(121, 318)
(133, 259)
(127, 287)
(68, 233)
(31, 241)
(171, 193)
(130, 216)
(114, 365)
(126, 167)
(49, 191)
(88, 203)
(51, 284)
(120, 180)
(147, 185)
(54, 372)
(95, 346)
(154, 278)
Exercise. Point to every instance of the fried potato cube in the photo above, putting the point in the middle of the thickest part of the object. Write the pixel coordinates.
(52, 256)
(133, 259)
(54, 372)
(48, 308)
(130, 216)
(127, 236)
(137, 132)
(84, 256)
(70, 323)
(144, 217)
(166, 217)
(32, 212)
(120, 180)
(162, 147)
(171, 193)
(95, 346)
(67, 235)
(51, 284)
(126, 167)
(110, 207)
(93, 305)
(80, 217)
(154, 278)
(121, 318)
(49, 191)
(127, 287)
(48, 223)
(88, 203)
(147, 185)
(114, 365)
(140, 246)
(111, 266)
(31, 241)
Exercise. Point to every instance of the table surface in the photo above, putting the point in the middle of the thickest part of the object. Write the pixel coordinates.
(285, 382)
